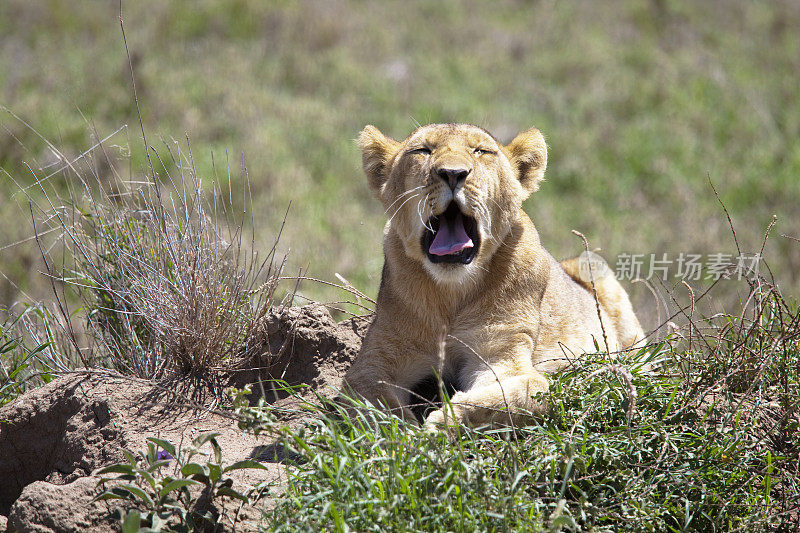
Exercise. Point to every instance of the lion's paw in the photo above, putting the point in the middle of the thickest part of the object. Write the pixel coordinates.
(436, 420)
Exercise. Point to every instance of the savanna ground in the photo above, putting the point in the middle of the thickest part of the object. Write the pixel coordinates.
(643, 104)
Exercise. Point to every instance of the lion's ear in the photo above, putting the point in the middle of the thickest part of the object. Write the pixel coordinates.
(528, 155)
(376, 151)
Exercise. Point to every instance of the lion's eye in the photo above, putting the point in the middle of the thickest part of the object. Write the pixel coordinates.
(482, 151)
(421, 150)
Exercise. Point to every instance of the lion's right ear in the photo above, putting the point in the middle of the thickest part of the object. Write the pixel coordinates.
(376, 151)
(528, 154)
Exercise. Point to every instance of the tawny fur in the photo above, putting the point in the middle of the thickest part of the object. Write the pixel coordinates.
(511, 316)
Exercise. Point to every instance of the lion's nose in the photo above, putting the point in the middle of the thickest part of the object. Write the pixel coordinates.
(453, 176)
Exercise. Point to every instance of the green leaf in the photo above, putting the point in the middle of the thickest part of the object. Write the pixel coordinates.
(194, 469)
(132, 522)
(214, 472)
(175, 485)
(165, 445)
(158, 464)
(116, 469)
(136, 491)
(148, 477)
(130, 457)
(247, 463)
(217, 451)
(204, 437)
(229, 492)
(151, 453)
(17, 371)
(108, 495)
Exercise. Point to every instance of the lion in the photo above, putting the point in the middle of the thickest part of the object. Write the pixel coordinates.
(468, 293)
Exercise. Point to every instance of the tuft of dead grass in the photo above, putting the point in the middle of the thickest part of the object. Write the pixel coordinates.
(151, 277)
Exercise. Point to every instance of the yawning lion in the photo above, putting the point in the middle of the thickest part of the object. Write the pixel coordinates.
(468, 292)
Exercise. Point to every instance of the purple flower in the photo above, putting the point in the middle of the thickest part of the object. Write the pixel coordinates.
(163, 455)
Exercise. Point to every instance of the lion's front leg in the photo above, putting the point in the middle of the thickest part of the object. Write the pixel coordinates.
(500, 381)
(385, 379)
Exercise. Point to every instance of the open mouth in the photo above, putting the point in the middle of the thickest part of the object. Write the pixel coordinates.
(454, 238)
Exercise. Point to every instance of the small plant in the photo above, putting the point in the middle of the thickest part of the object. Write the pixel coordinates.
(164, 502)
(19, 365)
(11, 368)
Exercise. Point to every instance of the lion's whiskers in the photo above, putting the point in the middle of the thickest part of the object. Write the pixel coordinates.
(498, 206)
(484, 212)
(419, 210)
(401, 206)
(401, 195)
(480, 267)
(427, 208)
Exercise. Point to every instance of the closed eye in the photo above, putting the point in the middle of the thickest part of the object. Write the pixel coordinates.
(482, 151)
(421, 150)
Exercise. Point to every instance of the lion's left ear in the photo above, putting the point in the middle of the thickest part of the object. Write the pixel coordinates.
(528, 155)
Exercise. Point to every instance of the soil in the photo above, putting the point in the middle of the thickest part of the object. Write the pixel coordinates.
(53, 438)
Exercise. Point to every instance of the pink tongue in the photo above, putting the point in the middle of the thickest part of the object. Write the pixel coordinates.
(450, 238)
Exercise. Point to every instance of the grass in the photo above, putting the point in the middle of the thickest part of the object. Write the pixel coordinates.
(20, 364)
(699, 432)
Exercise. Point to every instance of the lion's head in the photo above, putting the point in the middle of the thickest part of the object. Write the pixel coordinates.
(452, 191)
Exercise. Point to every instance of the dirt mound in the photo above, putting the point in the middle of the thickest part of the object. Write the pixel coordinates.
(300, 346)
(45, 507)
(54, 437)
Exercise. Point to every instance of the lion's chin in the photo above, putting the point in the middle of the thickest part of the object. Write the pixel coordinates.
(451, 238)
(453, 275)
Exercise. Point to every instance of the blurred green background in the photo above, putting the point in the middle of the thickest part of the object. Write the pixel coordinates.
(640, 101)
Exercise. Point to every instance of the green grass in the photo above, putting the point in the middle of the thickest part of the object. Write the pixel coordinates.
(640, 103)
(696, 433)
(689, 434)
(13, 363)
(664, 440)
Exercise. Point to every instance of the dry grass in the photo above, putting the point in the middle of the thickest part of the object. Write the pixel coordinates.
(165, 279)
